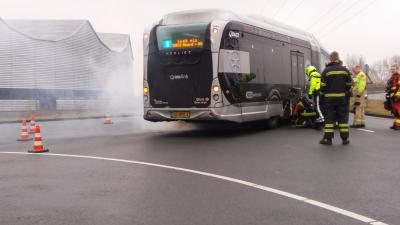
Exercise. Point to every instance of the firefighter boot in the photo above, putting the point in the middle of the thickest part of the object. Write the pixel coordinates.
(346, 142)
(326, 141)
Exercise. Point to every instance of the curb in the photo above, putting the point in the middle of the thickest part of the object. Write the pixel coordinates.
(379, 116)
(69, 118)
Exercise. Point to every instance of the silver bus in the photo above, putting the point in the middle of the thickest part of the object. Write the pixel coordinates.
(205, 65)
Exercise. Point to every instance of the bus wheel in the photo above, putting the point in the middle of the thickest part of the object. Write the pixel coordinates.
(273, 122)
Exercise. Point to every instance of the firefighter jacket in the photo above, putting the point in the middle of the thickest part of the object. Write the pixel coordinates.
(336, 83)
(360, 83)
(393, 87)
(314, 83)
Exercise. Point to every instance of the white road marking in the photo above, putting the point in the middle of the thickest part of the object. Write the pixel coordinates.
(225, 178)
(378, 223)
(369, 131)
(341, 211)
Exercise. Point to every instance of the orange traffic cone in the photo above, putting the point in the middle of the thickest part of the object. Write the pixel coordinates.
(38, 143)
(108, 119)
(24, 132)
(32, 127)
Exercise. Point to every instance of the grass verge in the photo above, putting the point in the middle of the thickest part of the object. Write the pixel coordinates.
(375, 107)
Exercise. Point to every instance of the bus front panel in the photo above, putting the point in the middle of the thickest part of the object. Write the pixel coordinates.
(180, 66)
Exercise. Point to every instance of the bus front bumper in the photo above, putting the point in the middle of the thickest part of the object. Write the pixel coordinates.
(203, 114)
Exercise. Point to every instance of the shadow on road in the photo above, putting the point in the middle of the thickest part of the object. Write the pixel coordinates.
(219, 130)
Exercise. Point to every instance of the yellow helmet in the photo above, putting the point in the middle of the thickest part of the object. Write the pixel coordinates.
(310, 69)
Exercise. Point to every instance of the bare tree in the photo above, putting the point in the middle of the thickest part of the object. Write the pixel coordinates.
(352, 60)
(380, 71)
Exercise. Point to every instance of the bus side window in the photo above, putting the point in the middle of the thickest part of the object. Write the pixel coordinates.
(230, 43)
(251, 43)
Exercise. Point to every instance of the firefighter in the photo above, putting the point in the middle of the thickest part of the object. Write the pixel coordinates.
(304, 114)
(393, 94)
(314, 86)
(359, 93)
(336, 84)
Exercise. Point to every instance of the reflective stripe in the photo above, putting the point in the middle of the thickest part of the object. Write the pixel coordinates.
(339, 72)
(344, 125)
(397, 121)
(359, 120)
(309, 114)
(323, 84)
(335, 95)
(344, 130)
(329, 130)
(329, 125)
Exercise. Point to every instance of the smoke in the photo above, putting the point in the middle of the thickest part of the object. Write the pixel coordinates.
(118, 95)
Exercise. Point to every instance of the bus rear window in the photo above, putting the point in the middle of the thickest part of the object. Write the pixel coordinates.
(181, 37)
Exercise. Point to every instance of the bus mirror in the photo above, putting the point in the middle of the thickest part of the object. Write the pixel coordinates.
(295, 90)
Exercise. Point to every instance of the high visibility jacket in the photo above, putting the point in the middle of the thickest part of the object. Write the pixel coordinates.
(336, 83)
(314, 83)
(360, 83)
(393, 86)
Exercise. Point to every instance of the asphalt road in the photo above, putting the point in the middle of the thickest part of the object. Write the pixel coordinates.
(361, 178)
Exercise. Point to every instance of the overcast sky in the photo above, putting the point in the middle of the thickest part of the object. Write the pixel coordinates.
(367, 27)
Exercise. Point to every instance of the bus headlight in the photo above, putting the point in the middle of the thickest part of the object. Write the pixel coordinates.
(215, 30)
(145, 90)
(216, 97)
(215, 88)
(145, 36)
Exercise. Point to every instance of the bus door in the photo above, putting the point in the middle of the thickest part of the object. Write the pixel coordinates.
(298, 81)
(298, 70)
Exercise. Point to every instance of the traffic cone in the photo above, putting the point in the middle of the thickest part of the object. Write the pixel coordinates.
(32, 127)
(108, 119)
(24, 132)
(38, 143)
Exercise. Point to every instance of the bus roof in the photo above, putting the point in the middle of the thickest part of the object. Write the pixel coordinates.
(208, 15)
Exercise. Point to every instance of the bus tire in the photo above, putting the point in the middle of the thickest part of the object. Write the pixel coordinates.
(273, 122)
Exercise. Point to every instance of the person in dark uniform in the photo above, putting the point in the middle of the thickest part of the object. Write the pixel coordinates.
(336, 85)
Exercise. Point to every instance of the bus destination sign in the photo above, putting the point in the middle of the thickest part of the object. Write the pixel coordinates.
(182, 43)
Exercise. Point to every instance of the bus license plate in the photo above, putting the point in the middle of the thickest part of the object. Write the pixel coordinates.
(180, 115)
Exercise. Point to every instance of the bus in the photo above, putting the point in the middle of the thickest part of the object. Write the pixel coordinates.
(205, 65)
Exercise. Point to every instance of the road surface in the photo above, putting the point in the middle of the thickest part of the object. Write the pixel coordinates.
(136, 172)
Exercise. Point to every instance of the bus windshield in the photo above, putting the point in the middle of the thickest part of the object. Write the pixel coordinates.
(181, 37)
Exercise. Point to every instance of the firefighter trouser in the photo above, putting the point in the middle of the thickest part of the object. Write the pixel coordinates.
(305, 119)
(336, 112)
(359, 117)
(396, 113)
(318, 107)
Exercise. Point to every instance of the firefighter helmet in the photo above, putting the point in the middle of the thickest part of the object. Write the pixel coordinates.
(310, 69)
